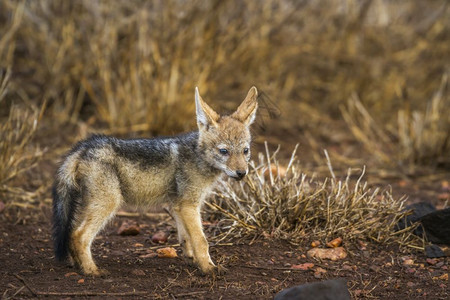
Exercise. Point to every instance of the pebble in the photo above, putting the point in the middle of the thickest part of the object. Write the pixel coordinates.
(167, 252)
(128, 229)
(332, 253)
(160, 237)
(138, 272)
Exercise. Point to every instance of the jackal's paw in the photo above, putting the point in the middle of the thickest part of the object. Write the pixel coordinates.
(189, 261)
(208, 269)
(96, 272)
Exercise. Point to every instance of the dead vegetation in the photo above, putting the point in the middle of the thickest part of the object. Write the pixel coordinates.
(420, 137)
(279, 201)
(130, 68)
(17, 152)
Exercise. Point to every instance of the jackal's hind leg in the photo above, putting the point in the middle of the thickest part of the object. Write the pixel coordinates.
(101, 205)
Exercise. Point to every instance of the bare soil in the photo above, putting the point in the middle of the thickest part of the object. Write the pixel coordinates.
(257, 269)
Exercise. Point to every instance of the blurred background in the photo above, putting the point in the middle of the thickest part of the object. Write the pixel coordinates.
(367, 80)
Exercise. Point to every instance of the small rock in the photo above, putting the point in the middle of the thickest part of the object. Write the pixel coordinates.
(138, 245)
(138, 272)
(347, 268)
(408, 262)
(332, 253)
(315, 244)
(128, 229)
(431, 261)
(437, 226)
(331, 289)
(167, 252)
(305, 266)
(334, 243)
(434, 251)
(160, 237)
(81, 280)
(410, 284)
(439, 264)
(287, 265)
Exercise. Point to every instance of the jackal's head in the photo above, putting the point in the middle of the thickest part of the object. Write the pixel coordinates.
(225, 140)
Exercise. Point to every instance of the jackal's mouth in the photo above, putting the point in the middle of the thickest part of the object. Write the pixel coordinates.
(237, 178)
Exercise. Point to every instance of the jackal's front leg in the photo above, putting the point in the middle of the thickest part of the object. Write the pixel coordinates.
(189, 216)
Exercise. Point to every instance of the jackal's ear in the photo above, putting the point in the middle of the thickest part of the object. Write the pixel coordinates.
(246, 112)
(206, 116)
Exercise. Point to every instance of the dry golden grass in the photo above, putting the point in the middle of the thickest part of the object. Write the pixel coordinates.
(284, 202)
(419, 137)
(132, 65)
(17, 153)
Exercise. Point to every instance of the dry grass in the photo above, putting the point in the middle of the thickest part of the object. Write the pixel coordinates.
(132, 65)
(284, 202)
(420, 137)
(17, 153)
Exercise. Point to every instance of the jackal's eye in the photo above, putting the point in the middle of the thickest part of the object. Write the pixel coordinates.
(246, 150)
(223, 151)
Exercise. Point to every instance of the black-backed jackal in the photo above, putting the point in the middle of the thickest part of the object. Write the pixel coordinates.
(102, 173)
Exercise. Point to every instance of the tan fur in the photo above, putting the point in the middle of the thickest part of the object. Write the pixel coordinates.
(106, 179)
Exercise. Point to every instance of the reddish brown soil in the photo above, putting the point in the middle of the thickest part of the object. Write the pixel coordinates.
(255, 271)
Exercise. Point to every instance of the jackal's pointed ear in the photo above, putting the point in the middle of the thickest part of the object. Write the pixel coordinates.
(206, 116)
(246, 112)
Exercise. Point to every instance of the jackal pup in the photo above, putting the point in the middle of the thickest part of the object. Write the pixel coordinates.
(101, 173)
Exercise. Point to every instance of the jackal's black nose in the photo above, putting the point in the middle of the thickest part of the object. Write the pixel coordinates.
(240, 174)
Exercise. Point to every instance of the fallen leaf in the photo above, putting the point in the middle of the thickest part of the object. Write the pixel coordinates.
(167, 252)
(332, 253)
(276, 171)
(138, 245)
(335, 243)
(70, 274)
(81, 280)
(432, 261)
(305, 266)
(149, 255)
(2, 206)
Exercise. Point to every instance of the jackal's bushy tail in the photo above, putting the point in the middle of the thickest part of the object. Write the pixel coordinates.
(66, 197)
